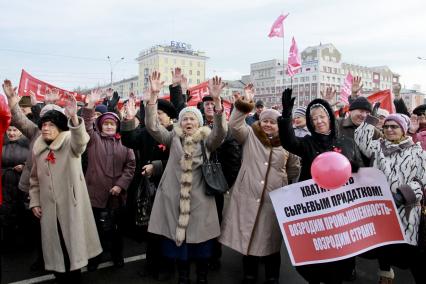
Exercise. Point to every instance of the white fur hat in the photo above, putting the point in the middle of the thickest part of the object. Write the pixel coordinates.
(195, 111)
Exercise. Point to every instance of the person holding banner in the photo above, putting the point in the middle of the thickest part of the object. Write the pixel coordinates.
(404, 164)
(182, 212)
(249, 226)
(322, 124)
(58, 194)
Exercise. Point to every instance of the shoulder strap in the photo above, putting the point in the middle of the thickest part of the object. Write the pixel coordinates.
(203, 150)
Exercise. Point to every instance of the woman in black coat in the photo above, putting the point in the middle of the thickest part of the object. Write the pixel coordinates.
(321, 123)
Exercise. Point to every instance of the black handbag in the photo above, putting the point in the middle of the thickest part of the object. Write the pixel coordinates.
(216, 183)
(144, 201)
(108, 216)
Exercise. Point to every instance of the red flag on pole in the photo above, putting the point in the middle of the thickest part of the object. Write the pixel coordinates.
(277, 29)
(294, 61)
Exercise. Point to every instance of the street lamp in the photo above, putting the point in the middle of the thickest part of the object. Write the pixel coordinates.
(112, 65)
(421, 58)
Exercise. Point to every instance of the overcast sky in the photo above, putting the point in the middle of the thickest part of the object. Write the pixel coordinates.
(66, 42)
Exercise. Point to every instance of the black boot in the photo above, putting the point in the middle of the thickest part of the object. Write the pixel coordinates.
(183, 271)
(272, 268)
(250, 265)
(202, 269)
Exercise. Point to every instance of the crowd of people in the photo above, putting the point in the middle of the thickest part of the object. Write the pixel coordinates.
(79, 177)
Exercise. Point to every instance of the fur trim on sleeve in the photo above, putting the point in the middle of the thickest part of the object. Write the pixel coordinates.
(244, 106)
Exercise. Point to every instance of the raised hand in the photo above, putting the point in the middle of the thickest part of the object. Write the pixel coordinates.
(215, 87)
(130, 109)
(51, 96)
(249, 92)
(329, 96)
(184, 84)
(396, 90)
(155, 86)
(71, 108)
(93, 98)
(10, 93)
(288, 103)
(33, 98)
(356, 86)
(177, 77)
(108, 93)
(414, 125)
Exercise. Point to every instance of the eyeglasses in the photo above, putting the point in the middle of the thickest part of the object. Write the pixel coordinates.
(391, 126)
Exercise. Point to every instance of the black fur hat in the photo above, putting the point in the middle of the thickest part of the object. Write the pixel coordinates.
(57, 118)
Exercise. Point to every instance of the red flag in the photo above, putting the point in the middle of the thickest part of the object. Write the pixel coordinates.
(4, 124)
(29, 83)
(277, 28)
(294, 62)
(346, 89)
(384, 97)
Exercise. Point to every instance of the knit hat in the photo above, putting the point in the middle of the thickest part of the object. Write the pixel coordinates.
(299, 112)
(48, 107)
(207, 98)
(401, 119)
(25, 101)
(101, 108)
(108, 115)
(195, 111)
(382, 112)
(360, 103)
(260, 103)
(419, 110)
(58, 118)
(167, 107)
(269, 114)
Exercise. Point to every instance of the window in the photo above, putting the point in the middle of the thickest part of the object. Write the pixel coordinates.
(324, 69)
(198, 73)
(314, 78)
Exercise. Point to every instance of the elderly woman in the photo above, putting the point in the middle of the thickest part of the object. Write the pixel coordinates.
(403, 163)
(110, 170)
(321, 123)
(182, 212)
(59, 195)
(249, 224)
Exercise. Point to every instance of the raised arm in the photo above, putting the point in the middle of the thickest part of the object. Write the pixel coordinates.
(159, 132)
(237, 122)
(288, 139)
(79, 136)
(177, 89)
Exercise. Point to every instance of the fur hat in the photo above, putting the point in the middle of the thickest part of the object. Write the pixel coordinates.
(58, 118)
(360, 103)
(195, 111)
(401, 119)
(48, 107)
(25, 102)
(167, 107)
(382, 112)
(108, 115)
(269, 114)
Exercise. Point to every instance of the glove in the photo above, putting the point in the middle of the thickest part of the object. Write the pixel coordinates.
(288, 103)
(398, 198)
(375, 109)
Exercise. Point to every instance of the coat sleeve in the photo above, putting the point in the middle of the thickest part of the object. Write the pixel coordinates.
(237, 122)
(158, 168)
(293, 167)
(79, 137)
(288, 138)
(34, 186)
(128, 171)
(177, 98)
(88, 117)
(23, 123)
(132, 136)
(159, 132)
(364, 137)
(218, 134)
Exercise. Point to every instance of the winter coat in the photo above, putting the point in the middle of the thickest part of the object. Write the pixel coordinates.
(403, 164)
(182, 211)
(309, 147)
(250, 119)
(420, 137)
(109, 164)
(60, 190)
(345, 127)
(301, 132)
(30, 130)
(249, 225)
(14, 153)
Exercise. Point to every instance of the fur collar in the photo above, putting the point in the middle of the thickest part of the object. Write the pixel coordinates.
(200, 134)
(261, 135)
(244, 106)
(40, 145)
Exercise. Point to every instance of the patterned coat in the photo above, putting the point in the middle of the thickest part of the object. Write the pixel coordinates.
(403, 164)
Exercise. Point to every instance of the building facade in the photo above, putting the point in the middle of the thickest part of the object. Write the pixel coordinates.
(164, 58)
(322, 67)
(127, 86)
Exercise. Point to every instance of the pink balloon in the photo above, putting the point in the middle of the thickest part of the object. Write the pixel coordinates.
(331, 170)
